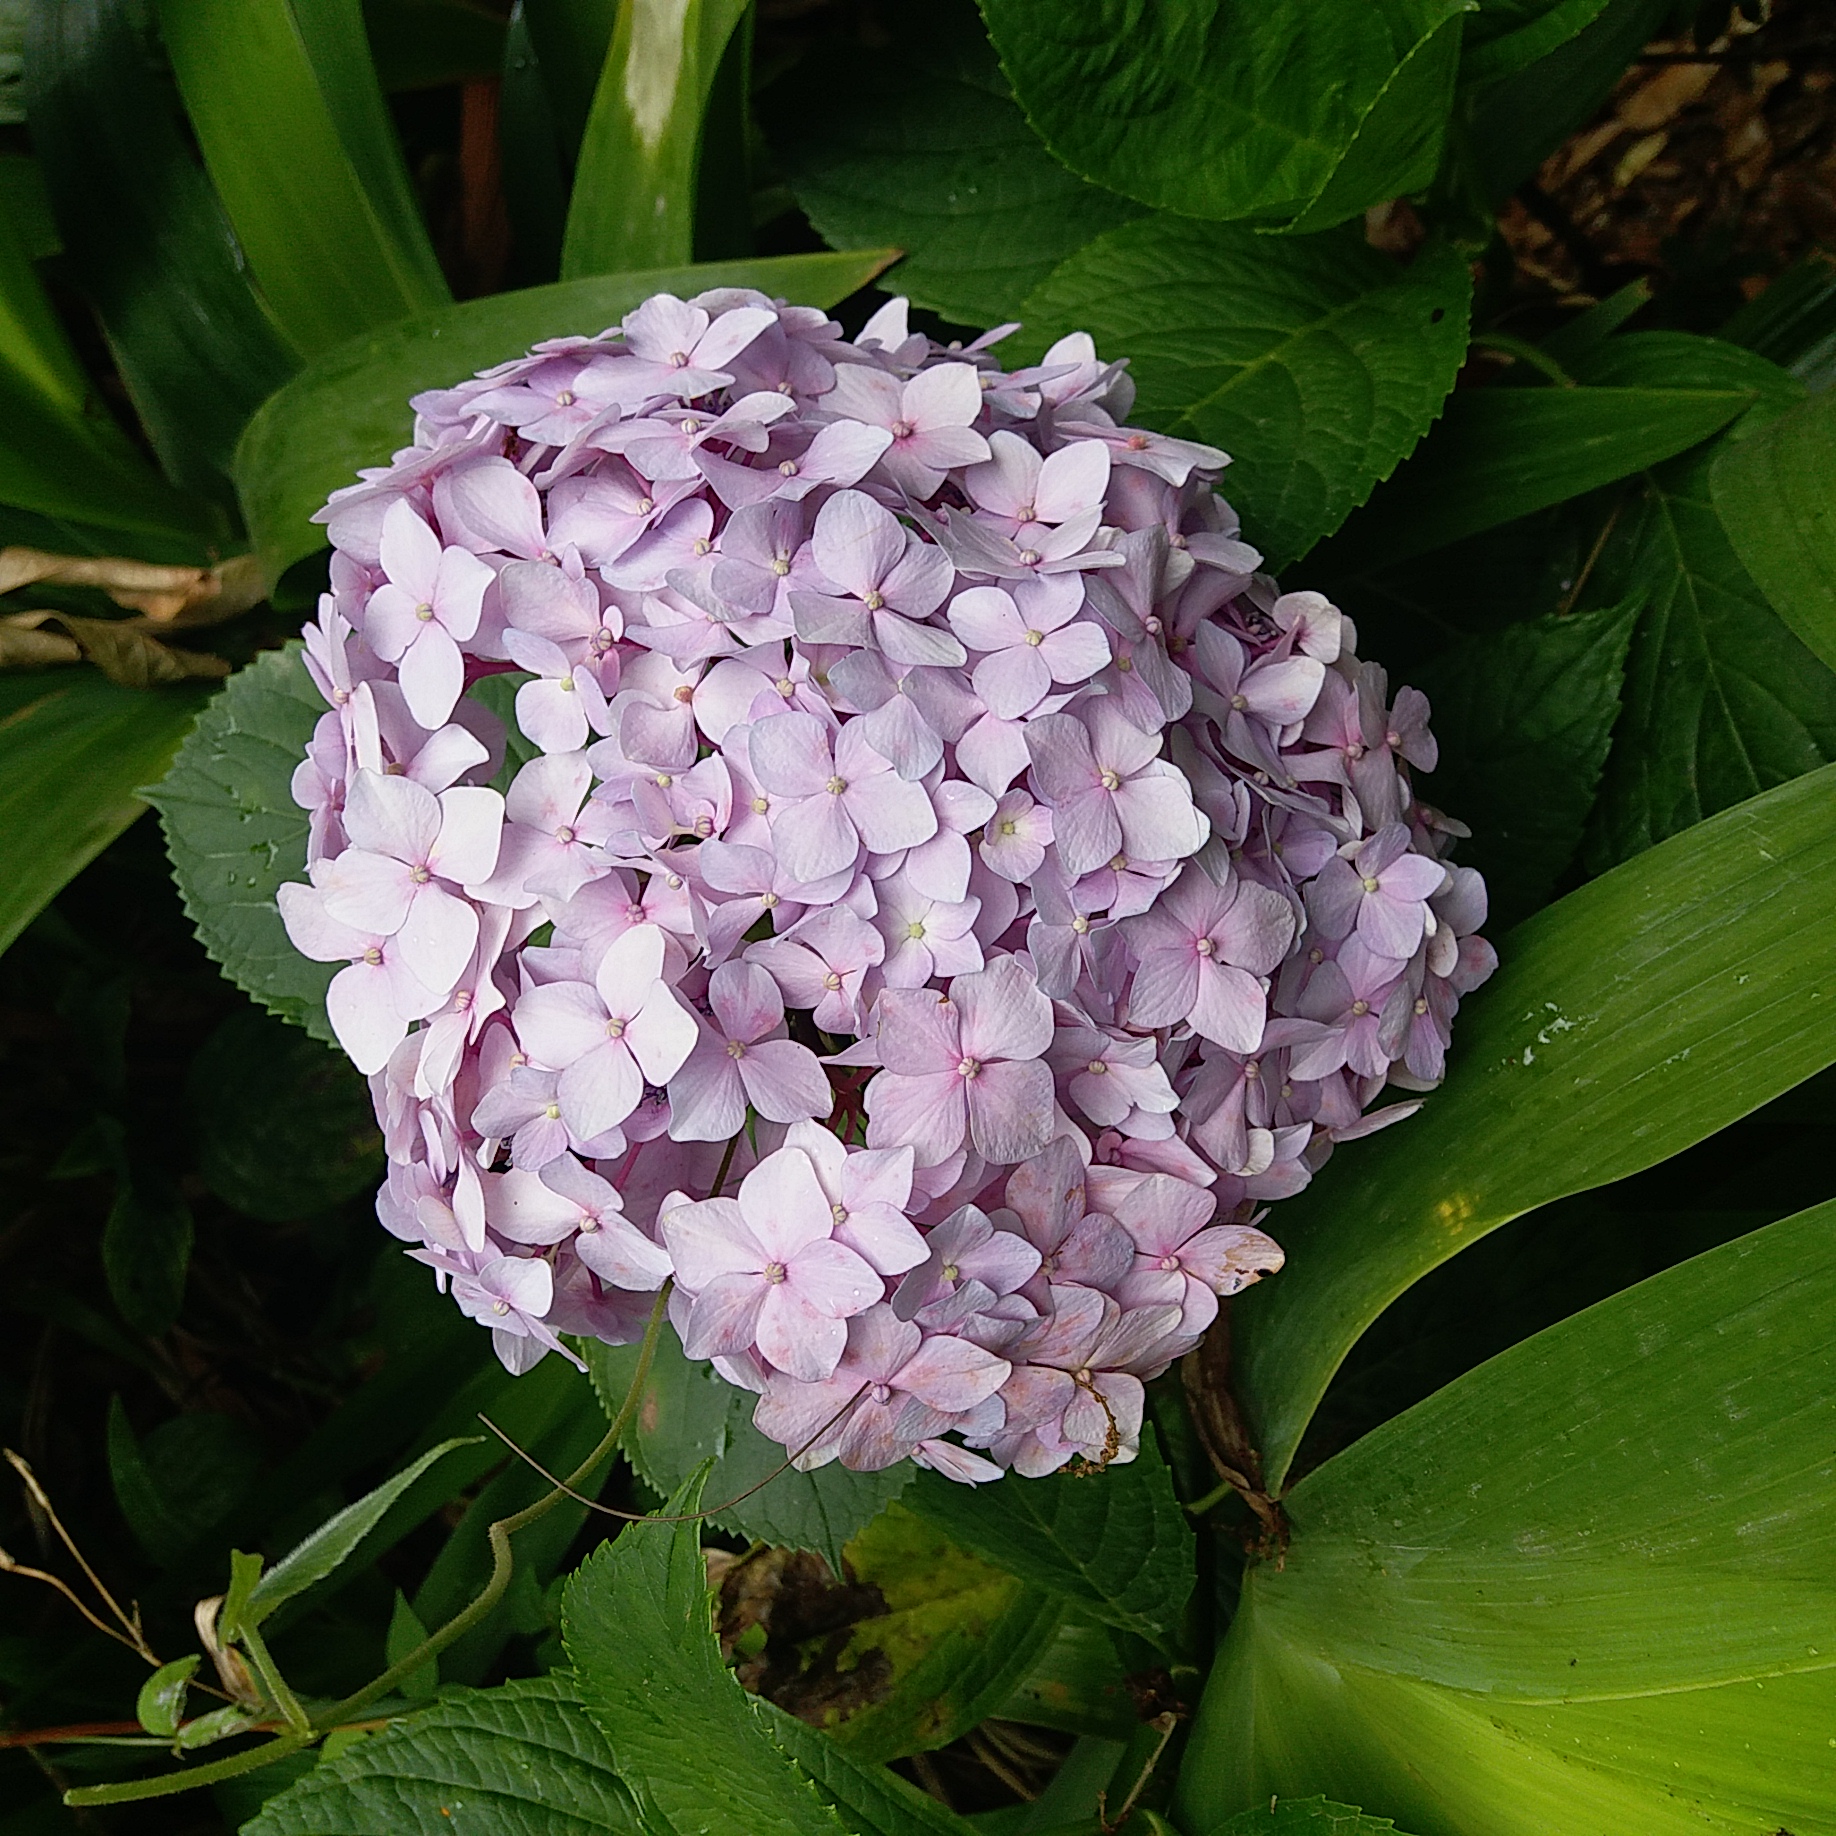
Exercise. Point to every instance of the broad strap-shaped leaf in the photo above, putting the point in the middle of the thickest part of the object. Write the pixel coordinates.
(922, 146)
(1316, 364)
(284, 101)
(1505, 36)
(1775, 493)
(350, 407)
(634, 183)
(1636, 1016)
(1077, 1685)
(234, 832)
(525, 1758)
(1295, 112)
(74, 749)
(689, 1414)
(1115, 1543)
(1600, 1566)
(1524, 717)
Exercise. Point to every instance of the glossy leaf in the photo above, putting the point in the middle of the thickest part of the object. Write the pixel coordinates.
(1587, 1585)
(688, 1413)
(924, 148)
(1722, 700)
(525, 1757)
(1630, 1019)
(160, 1706)
(234, 832)
(571, 38)
(350, 408)
(1505, 36)
(1775, 494)
(1115, 1543)
(1297, 112)
(1317, 364)
(1077, 1685)
(74, 747)
(1524, 717)
(634, 184)
(284, 101)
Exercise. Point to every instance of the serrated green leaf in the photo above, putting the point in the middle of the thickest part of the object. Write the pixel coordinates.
(350, 407)
(1524, 717)
(1116, 1543)
(160, 1706)
(869, 1800)
(1587, 1585)
(234, 832)
(1775, 495)
(690, 1742)
(1629, 1020)
(1722, 701)
(1317, 364)
(688, 1414)
(923, 147)
(524, 1758)
(73, 749)
(1296, 113)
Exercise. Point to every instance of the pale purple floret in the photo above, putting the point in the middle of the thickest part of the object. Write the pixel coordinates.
(740, 1061)
(428, 605)
(1382, 891)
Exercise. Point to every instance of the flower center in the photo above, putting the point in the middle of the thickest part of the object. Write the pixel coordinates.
(915, 930)
(1029, 557)
(951, 1272)
(774, 1272)
(760, 805)
(372, 956)
(420, 876)
(552, 1113)
(839, 1213)
(779, 566)
(1239, 702)
(615, 1029)
(1370, 884)
(500, 1308)
(1035, 638)
(565, 399)
(678, 360)
(1169, 1263)
(1097, 1068)
(645, 505)
(1421, 1006)
(831, 981)
(903, 430)
(836, 786)
(873, 599)
(788, 467)
(736, 1048)
(703, 546)
(1110, 780)
(969, 1067)
(423, 611)
(1080, 924)
(1206, 947)
(1361, 1008)
(1253, 1071)
(565, 837)
(768, 900)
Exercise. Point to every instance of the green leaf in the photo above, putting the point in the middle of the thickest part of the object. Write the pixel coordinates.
(285, 104)
(1629, 1020)
(1305, 1816)
(1775, 494)
(73, 747)
(332, 1544)
(1586, 1586)
(524, 1758)
(869, 1800)
(634, 184)
(285, 1127)
(1524, 717)
(1505, 36)
(1115, 1543)
(160, 1706)
(406, 1635)
(1318, 364)
(234, 832)
(1077, 1685)
(350, 408)
(1722, 701)
(145, 237)
(923, 147)
(26, 205)
(689, 1414)
(426, 44)
(146, 1251)
(182, 1481)
(1794, 321)
(691, 1744)
(571, 38)
(1298, 112)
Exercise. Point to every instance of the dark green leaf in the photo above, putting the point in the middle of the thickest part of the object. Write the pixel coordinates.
(688, 1414)
(1318, 364)
(1077, 1686)
(350, 408)
(691, 1743)
(1794, 321)
(146, 238)
(160, 1706)
(26, 205)
(571, 38)
(285, 1127)
(284, 101)
(1115, 1543)
(406, 1635)
(868, 1799)
(1721, 700)
(923, 147)
(182, 1481)
(425, 44)
(1775, 495)
(1524, 718)
(1505, 36)
(1630, 1019)
(525, 1758)
(73, 748)
(1586, 1586)
(1293, 112)
(146, 1251)
(535, 182)
(235, 833)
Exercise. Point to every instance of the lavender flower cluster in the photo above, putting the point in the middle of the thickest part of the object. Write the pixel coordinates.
(948, 891)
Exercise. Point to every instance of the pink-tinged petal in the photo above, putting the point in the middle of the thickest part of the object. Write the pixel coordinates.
(926, 1114)
(1257, 930)
(1414, 876)
(730, 334)
(906, 641)
(1228, 1257)
(956, 1463)
(831, 1278)
(798, 1339)
(471, 826)
(856, 542)
(843, 453)
(815, 837)
(882, 1236)
(1284, 692)
(1158, 817)
(621, 1254)
(372, 893)
(438, 937)
(313, 931)
(1231, 1008)
(553, 714)
(520, 1207)
(391, 621)
(790, 755)
(459, 590)
(410, 551)
(918, 1031)
(952, 1374)
(1063, 767)
(549, 791)
(745, 1000)
(1002, 1012)
(891, 813)
(1075, 653)
(1390, 928)
(707, 1101)
(1334, 897)
(1010, 1110)
(489, 505)
(632, 963)
(1072, 481)
(661, 1034)
(1006, 481)
(1012, 682)
(391, 815)
(724, 1318)
(1087, 832)
(986, 618)
(784, 1204)
(863, 393)
(432, 675)
(367, 1027)
(707, 1240)
(784, 1081)
(599, 1090)
(559, 1022)
(945, 395)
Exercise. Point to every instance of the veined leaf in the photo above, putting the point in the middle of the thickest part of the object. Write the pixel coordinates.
(1298, 113)
(1077, 1685)
(1305, 1817)
(1115, 1543)
(634, 184)
(284, 100)
(73, 748)
(925, 148)
(1647, 1010)
(1318, 364)
(1585, 1586)
(350, 407)
(1505, 36)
